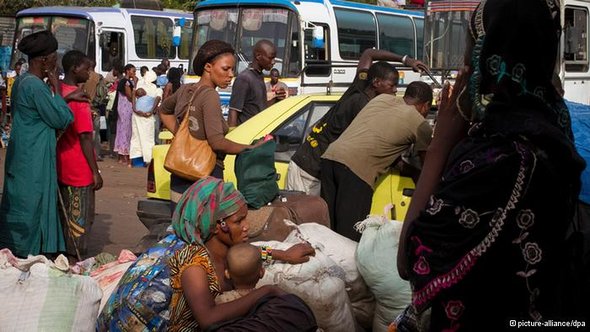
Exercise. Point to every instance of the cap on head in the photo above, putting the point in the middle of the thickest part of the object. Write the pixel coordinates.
(38, 44)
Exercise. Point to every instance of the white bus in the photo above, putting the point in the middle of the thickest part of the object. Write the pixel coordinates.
(112, 35)
(318, 42)
(446, 25)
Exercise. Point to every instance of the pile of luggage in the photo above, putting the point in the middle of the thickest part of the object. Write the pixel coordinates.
(345, 284)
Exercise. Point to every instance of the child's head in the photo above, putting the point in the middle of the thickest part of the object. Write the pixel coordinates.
(143, 70)
(244, 266)
(76, 66)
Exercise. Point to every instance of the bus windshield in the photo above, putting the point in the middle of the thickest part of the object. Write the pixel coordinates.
(446, 25)
(71, 33)
(243, 28)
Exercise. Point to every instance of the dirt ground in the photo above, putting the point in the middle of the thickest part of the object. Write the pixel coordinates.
(116, 225)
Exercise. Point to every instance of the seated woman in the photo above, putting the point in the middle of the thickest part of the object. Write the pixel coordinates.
(173, 285)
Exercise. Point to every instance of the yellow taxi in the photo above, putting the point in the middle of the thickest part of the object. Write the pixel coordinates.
(289, 122)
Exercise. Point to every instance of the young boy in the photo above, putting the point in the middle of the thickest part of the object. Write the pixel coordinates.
(77, 170)
(5, 136)
(244, 268)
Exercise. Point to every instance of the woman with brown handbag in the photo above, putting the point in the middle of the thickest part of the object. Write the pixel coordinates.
(215, 63)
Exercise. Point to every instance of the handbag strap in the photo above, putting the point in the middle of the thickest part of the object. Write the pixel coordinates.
(190, 102)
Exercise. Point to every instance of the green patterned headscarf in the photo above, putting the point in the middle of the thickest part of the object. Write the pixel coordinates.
(201, 206)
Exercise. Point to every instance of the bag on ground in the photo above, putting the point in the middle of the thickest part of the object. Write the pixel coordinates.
(376, 259)
(274, 222)
(319, 282)
(36, 296)
(341, 250)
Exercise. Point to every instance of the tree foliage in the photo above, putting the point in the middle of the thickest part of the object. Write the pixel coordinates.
(188, 5)
(11, 7)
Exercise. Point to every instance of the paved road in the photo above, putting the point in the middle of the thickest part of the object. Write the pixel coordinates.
(116, 225)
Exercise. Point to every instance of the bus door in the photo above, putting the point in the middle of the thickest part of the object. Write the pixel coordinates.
(112, 50)
(576, 77)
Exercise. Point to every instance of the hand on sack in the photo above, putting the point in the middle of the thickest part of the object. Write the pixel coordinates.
(299, 253)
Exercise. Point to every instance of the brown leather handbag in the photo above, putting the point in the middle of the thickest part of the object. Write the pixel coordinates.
(189, 157)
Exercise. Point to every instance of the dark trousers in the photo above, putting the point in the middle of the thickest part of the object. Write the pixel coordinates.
(348, 197)
(112, 133)
(96, 136)
(583, 220)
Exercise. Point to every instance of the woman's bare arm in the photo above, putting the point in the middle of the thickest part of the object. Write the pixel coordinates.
(370, 55)
(129, 93)
(167, 91)
(169, 122)
(451, 127)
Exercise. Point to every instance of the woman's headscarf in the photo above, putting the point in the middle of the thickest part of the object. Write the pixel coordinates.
(203, 204)
(516, 46)
(514, 55)
(147, 83)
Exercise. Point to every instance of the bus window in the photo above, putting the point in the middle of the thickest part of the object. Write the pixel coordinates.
(295, 52)
(112, 51)
(575, 39)
(24, 27)
(153, 37)
(396, 34)
(419, 37)
(444, 44)
(91, 43)
(457, 45)
(263, 23)
(186, 35)
(220, 24)
(316, 50)
(356, 32)
(216, 24)
(71, 34)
